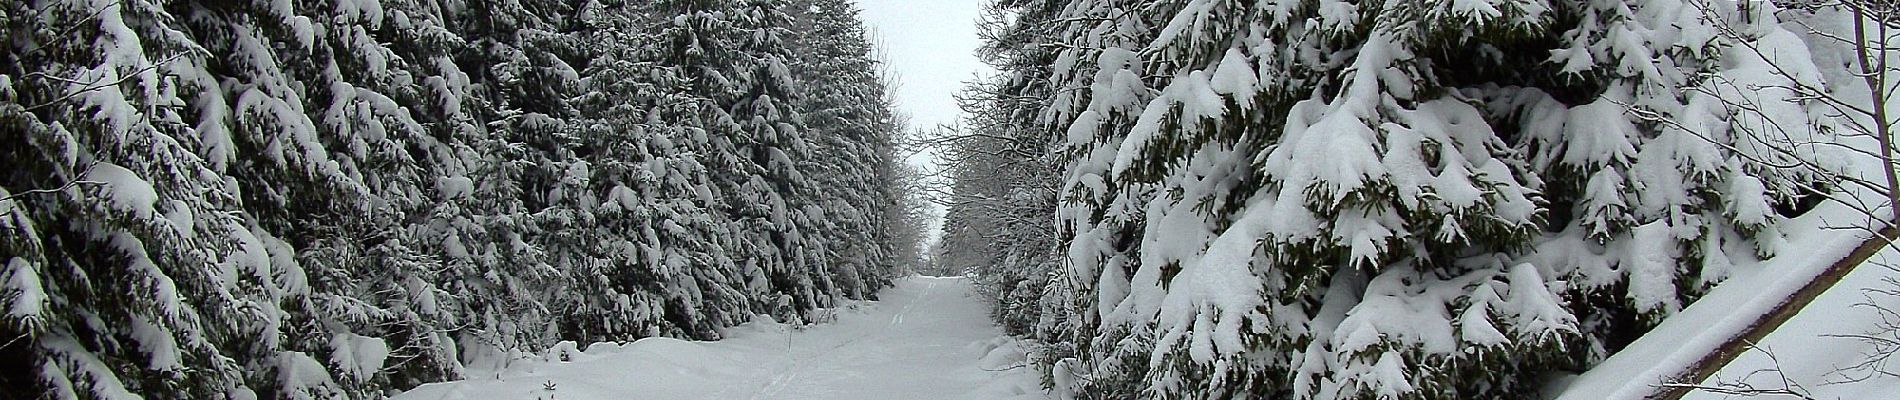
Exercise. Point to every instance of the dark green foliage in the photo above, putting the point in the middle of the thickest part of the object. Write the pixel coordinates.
(1337, 199)
(313, 199)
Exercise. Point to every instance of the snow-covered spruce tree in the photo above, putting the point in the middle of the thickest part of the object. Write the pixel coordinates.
(733, 58)
(851, 130)
(343, 132)
(294, 200)
(491, 214)
(1100, 223)
(657, 264)
(780, 201)
(1344, 200)
(1651, 214)
(128, 269)
(302, 124)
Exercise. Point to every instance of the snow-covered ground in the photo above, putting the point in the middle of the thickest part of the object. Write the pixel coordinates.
(1809, 348)
(927, 339)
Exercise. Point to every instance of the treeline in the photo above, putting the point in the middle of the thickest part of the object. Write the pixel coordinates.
(1375, 200)
(305, 199)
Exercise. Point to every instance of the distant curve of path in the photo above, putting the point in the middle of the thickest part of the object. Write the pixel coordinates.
(927, 339)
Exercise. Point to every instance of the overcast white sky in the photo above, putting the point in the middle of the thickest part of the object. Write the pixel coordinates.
(930, 44)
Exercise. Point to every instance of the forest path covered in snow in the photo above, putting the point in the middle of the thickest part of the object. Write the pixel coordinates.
(926, 339)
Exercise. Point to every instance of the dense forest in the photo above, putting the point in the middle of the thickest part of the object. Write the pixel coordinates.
(1166, 199)
(278, 199)
(1384, 200)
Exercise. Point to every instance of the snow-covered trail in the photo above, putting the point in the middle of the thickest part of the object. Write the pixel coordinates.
(927, 339)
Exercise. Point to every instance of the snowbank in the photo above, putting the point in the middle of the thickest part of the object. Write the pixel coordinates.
(927, 340)
(1815, 242)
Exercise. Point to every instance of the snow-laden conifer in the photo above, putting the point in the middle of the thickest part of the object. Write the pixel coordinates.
(1396, 199)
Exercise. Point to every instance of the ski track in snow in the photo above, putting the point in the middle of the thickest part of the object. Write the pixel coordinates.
(928, 339)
